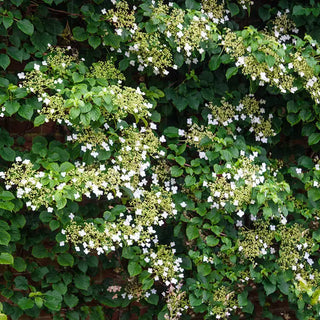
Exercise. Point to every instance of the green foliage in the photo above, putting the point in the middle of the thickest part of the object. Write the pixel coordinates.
(175, 147)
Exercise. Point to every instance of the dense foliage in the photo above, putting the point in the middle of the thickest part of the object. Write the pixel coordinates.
(159, 159)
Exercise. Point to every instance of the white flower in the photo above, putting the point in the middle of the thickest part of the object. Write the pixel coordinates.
(21, 75)
(179, 34)
(263, 251)
(183, 204)
(82, 233)
(240, 213)
(118, 32)
(46, 101)
(36, 67)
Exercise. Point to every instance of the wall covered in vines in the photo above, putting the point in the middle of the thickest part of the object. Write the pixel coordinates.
(159, 160)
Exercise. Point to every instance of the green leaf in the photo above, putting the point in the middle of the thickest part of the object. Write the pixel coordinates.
(264, 13)
(284, 287)
(204, 269)
(270, 61)
(243, 299)
(212, 241)
(6, 195)
(11, 107)
(156, 116)
(261, 198)
(147, 283)
(189, 181)
(25, 26)
(79, 34)
(6, 205)
(39, 302)
(180, 103)
(171, 132)
(316, 235)
(60, 199)
(65, 260)
(269, 287)
(180, 160)
(39, 251)
(19, 264)
(192, 4)
(192, 232)
(40, 40)
(4, 61)
(7, 154)
(17, 54)
(6, 258)
(293, 119)
(4, 237)
(260, 56)
(39, 120)
(82, 281)
(226, 155)
(231, 72)
(7, 21)
(77, 77)
(176, 171)
(234, 9)
(249, 307)
(18, 221)
(314, 138)
(54, 225)
(26, 111)
(53, 300)
(153, 299)
(292, 107)
(60, 287)
(128, 252)
(25, 303)
(74, 112)
(298, 10)
(214, 62)
(3, 316)
(123, 64)
(94, 41)
(194, 301)
(17, 3)
(150, 27)
(21, 283)
(4, 83)
(178, 59)
(66, 167)
(315, 297)
(71, 300)
(306, 162)
(134, 268)
(314, 194)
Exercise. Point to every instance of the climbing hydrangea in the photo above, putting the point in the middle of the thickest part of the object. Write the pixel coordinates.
(170, 144)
